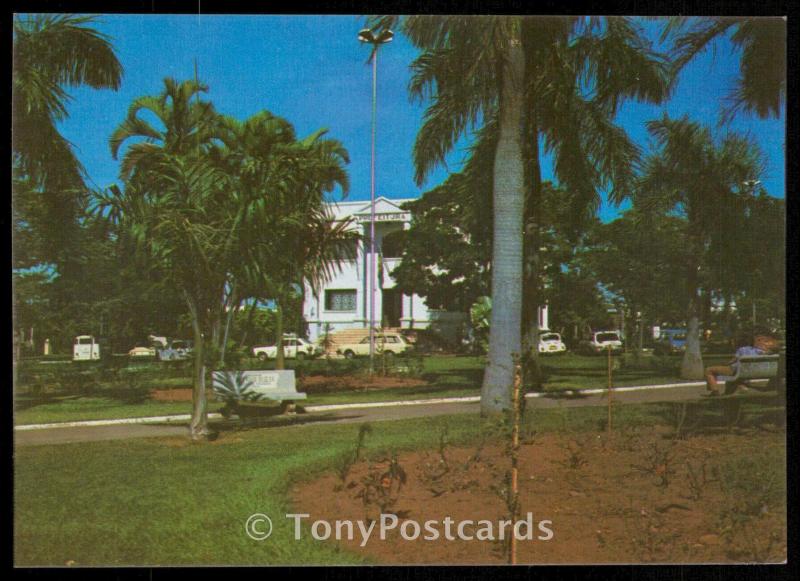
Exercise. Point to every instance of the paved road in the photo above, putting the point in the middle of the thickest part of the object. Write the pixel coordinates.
(65, 435)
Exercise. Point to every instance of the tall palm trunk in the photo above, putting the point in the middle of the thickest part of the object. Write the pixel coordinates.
(509, 206)
(692, 364)
(530, 283)
(198, 425)
(279, 358)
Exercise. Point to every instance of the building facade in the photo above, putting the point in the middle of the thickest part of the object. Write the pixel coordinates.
(343, 302)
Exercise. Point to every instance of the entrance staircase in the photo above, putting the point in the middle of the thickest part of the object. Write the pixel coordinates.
(355, 335)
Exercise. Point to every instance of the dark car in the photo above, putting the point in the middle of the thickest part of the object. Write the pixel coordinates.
(671, 341)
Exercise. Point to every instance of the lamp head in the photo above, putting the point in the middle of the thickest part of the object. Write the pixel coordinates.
(365, 35)
(385, 36)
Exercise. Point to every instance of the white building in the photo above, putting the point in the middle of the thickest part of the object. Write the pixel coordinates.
(343, 303)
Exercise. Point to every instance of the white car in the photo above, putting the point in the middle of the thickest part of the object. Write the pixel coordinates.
(293, 348)
(601, 341)
(141, 351)
(388, 344)
(551, 343)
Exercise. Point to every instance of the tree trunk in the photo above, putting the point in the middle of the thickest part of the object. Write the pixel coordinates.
(17, 347)
(198, 426)
(228, 316)
(692, 364)
(248, 324)
(533, 223)
(279, 359)
(509, 206)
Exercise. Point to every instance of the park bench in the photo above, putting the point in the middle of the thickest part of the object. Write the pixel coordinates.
(247, 392)
(752, 368)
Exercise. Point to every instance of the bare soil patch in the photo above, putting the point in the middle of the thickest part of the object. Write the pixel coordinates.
(323, 383)
(311, 384)
(176, 394)
(637, 496)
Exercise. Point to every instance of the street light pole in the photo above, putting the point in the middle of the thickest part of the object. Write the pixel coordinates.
(366, 35)
(751, 189)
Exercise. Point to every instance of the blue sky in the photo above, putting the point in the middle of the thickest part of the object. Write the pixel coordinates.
(312, 71)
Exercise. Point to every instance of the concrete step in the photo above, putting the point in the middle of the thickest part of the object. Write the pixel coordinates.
(354, 335)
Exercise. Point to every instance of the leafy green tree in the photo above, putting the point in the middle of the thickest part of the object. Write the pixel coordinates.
(640, 257)
(692, 173)
(746, 260)
(446, 250)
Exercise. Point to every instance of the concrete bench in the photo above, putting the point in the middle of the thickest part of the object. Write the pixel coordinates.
(750, 368)
(253, 388)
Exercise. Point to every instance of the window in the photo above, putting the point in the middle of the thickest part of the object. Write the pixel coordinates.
(85, 341)
(340, 300)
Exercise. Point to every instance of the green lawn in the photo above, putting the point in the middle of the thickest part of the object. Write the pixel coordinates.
(446, 376)
(99, 408)
(166, 501)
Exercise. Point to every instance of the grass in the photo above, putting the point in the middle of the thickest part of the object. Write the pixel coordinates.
(169, 502)
(446, 376)
(99, 408)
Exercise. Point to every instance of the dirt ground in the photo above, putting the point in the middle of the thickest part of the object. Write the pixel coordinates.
(636, 497)
(309, 383)
(176, 394)
(323, 383)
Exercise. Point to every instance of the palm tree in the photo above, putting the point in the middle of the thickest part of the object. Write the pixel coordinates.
(52, 53)
(693, 173)
(471, 68)
(180, 211)
(533, 84)
(761, 85)
(186, 125)
(186, 227)
(287, 180)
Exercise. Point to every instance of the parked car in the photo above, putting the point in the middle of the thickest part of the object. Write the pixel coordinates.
(670, 341)
(293, 348)
(176, 350)
(388, 344)
(140, 351)
(86, 348)
(551, 343)
(600, 341)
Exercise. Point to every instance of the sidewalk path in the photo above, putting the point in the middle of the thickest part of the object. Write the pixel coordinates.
(70, 432)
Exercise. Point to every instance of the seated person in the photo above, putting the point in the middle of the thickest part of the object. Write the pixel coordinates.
(744, 348)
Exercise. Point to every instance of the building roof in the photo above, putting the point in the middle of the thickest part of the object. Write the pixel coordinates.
(383, 205)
